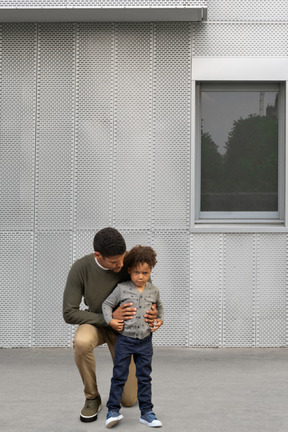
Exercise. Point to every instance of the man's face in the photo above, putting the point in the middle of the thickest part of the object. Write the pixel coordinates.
(113, 263)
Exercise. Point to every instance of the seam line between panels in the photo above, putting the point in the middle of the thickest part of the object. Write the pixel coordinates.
(75, 117)
(75, 124)
(154, 80)
(256, 291)
(152, 121)
(113, 121)
(254, 283)
(190, 194)
(75, 139)
(222, 311)
(189, 291)
(35, 181)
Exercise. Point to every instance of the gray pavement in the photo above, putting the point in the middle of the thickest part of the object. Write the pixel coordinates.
(194, 390)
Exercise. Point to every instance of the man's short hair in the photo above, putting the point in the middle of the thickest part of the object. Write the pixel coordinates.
(109, 242)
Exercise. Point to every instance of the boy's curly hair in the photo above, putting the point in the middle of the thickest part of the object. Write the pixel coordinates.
(139, 255)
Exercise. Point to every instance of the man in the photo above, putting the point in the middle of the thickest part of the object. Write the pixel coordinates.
(94, 277)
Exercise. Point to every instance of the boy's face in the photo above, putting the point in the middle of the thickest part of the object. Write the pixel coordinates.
(113, 263)
(140, 274)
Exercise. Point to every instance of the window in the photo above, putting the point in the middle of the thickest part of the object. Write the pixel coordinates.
(240, 152)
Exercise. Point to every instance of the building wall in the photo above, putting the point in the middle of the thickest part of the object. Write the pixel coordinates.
(96, 131)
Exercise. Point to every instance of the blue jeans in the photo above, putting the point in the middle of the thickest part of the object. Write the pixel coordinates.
(142, 351)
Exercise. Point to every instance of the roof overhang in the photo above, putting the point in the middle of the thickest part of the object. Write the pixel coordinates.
(102, 14)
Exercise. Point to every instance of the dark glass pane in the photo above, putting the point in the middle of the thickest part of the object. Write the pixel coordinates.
(239, 151)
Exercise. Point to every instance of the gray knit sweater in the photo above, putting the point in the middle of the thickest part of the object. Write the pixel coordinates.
(127, 292)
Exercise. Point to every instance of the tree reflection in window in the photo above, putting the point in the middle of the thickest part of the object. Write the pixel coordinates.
(244, 175)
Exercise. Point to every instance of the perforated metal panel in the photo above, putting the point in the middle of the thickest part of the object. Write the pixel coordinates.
(94, 126)
(53, 259)
(247, 10)
(132, 180)
(171, 277)
(238, 290)
(239, 280)
(206, 280)
(171, 126)
(271, 296)
(18, 107)
(16, 262)
(136, 237)
(83, 243)
(111, 105)
(55, 126)
(240, 39)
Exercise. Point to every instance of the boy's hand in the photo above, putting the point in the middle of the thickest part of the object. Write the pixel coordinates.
(124, 312)
(117, 324)
(157, 323)
(151, 315)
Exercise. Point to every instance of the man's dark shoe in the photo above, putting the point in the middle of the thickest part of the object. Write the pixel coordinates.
(91, 409)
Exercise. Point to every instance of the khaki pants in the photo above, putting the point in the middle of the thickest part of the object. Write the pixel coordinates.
(88, 337)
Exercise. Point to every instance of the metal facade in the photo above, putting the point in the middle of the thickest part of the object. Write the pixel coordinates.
(247, 10)
(102, 10)
(96, 131)
(100, 3)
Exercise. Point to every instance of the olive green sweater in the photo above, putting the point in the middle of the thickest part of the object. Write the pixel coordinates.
(88, 280)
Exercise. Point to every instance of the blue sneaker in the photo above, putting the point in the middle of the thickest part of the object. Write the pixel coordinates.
(113, 417)
(150, 419)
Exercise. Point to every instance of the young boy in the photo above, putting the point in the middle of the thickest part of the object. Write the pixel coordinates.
(135, 335)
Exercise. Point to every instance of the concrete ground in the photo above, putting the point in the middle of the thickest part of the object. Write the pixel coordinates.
(194, 390)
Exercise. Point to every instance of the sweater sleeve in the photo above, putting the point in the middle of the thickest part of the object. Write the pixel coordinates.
(110, 303)
(72, 298)
(160, 308)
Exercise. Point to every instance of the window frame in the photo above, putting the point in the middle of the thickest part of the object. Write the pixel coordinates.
(201, 219)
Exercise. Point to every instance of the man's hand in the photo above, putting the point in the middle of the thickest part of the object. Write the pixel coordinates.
(157, 323)
(124, 312)
(117, 324)
(151, 316)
